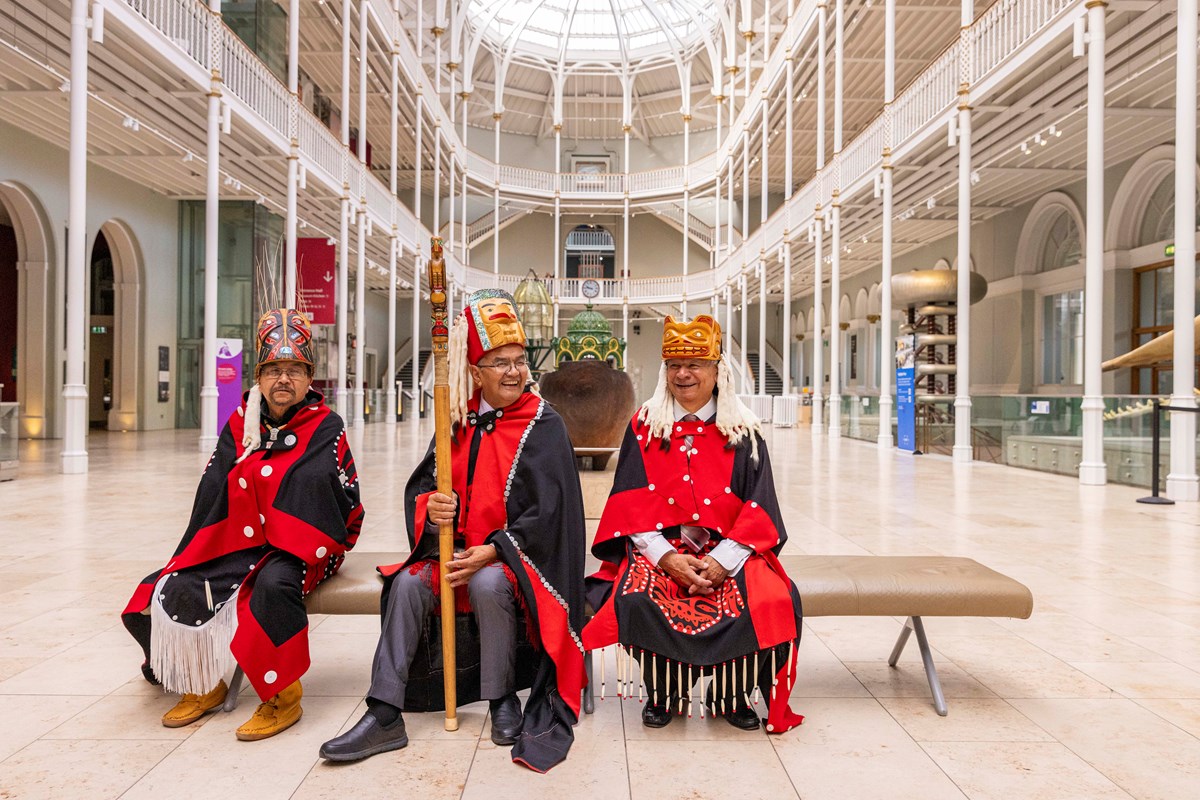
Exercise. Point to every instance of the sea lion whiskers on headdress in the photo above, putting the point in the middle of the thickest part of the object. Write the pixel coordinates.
(699, 339)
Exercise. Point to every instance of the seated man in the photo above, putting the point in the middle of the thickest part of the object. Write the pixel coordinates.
(276, 511)
(691, 585)
(517, 513)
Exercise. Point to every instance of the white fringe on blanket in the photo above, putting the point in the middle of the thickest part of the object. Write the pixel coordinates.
(190, 658)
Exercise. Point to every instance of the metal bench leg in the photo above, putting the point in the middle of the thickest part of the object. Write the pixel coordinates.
(915, 625)
(235, 687)
(589, 692)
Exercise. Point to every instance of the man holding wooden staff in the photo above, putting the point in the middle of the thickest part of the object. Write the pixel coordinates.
(517, 515)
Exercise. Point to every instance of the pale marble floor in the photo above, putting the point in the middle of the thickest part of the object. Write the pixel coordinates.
(1096, 696)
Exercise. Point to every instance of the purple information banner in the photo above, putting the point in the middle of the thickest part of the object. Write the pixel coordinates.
(229, 379)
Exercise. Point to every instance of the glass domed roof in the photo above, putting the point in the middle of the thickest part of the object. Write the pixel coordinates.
(610, 30)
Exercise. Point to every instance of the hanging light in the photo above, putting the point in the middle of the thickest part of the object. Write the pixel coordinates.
(535, 307)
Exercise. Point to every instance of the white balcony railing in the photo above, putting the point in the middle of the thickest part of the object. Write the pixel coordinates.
(184, 22)
(927, 97)
(1008, 25)
(995, 37)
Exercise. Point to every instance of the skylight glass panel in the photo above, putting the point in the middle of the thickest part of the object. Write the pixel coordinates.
(585, 28)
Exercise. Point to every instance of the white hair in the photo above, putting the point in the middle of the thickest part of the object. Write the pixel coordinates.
(460, 377)
(251, 436)
(734, 419)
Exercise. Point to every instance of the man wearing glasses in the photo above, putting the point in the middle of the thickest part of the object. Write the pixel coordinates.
(690, 535)
(275, 512)
(517, 513)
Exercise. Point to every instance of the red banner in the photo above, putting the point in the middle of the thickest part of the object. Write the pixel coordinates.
(316, 270)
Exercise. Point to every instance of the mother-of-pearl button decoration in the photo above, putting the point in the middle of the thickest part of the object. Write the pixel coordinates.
(266, 470)
(262, 519)
(651, 487)
(242, 483)
(290, 439)
(270, 676)
(248, 531)
(321, 551)
(695, 516)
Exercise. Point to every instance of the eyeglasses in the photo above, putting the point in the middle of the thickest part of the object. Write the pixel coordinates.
(275, 373)
(504, 366)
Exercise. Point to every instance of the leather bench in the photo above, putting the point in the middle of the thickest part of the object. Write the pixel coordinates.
(830, 586)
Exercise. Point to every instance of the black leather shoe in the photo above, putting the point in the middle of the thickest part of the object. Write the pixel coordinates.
(656, 716)
(149, 675)
(506, 719)
(367, 738)
(743, 717)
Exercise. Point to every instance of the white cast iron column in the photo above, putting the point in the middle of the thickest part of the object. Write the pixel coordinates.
(212, 206)
(75, 393)
(886, 361)
(963, 451)
(1181, 480)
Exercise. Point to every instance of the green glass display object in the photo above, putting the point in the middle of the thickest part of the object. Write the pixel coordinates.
(590, 337)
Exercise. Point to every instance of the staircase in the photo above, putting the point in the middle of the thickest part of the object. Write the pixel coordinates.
(485, 225)
(774, 381)
(404, 373)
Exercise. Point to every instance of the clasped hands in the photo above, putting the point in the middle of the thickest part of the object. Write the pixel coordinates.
(698, 576)
(439, 511)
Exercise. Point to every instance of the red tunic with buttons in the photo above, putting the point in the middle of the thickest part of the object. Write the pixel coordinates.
(297, 494)
(660, 485)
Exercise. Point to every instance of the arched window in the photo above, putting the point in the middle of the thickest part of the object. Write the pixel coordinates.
(591, 252)
(1062, 246)
(1158, 221)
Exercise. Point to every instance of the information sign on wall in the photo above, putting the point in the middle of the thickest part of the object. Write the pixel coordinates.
(906, 408)
(316, 268)
(229, 380)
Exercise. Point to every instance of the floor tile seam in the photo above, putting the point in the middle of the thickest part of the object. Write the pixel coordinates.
(625, 748)
(153, 767)
(921, 748)
(1121, 639)
(778, 758)
(1140, 704)
(1096, 767)
(474, 755)
(1057, 741)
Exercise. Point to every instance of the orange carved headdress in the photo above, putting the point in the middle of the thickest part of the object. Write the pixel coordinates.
(698, 338)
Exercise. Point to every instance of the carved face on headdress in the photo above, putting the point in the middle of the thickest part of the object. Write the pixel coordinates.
(699, 338)
(492, 315)
(284, 334)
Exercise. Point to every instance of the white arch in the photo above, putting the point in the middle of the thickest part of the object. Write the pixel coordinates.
(874, 299)
(861, 304)
(128, 321)
(1133, 195)
(1038, 223)
(38, 313)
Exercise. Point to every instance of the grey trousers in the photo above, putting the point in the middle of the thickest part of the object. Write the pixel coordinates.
(494, 601)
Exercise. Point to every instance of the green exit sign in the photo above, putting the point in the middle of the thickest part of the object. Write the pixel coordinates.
(99, 329)
(1169, 251)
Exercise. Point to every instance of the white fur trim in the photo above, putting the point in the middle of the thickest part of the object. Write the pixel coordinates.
(186, 657)
(251, 436)
(460, 376)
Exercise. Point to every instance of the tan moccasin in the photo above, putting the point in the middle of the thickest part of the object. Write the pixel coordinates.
(274, 716)
(192, 707)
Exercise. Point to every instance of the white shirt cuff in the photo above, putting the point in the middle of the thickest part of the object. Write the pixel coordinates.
(731, 555)
(652, 545)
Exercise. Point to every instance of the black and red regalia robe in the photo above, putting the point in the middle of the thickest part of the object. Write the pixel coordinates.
(288, 511)
(524, 499)
(751, 623)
